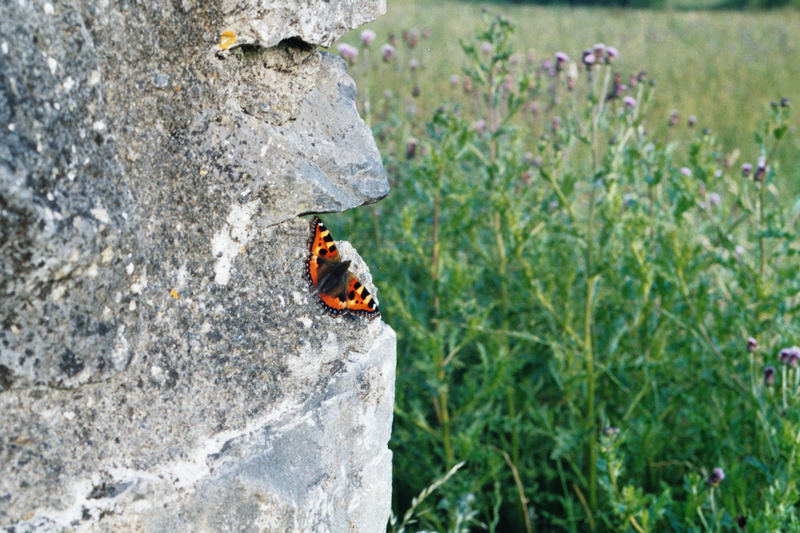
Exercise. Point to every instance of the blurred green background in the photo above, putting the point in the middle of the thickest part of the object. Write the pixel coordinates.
(719, 65)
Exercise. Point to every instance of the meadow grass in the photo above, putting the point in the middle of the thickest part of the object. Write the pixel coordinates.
(595, 311)
(720, 66)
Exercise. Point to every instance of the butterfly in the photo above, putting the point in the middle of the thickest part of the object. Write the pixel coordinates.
(336, 288)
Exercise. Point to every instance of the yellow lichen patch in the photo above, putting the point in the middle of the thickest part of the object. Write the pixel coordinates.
(227, 40)
(244, 248)
(174, 293)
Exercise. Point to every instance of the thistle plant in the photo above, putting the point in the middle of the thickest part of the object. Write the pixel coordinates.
(577, 298)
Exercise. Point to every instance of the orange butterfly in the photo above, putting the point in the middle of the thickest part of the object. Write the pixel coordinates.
(336, 288)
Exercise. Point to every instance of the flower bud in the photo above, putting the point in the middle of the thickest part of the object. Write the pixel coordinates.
(348, 52)
(769, 375)
(367, 36)
(752, 344)
(716, 477)
(387, 51)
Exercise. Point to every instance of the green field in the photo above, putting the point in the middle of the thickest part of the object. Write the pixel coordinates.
(596, 312)
(721, 66)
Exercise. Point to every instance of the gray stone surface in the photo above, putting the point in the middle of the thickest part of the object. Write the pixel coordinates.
(162, 363)
(318, 22)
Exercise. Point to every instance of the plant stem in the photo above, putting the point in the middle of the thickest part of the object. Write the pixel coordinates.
(435, 251)
(589, 354)
(588, 349)
(761, 229)
(448, 449)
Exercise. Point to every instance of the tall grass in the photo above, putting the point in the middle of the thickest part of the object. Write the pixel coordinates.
(595, 316)
(719, 66)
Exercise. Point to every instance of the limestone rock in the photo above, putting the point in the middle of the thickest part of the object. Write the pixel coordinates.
(314, 21)
(162, 363)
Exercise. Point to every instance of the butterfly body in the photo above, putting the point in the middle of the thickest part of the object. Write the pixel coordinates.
(335, 287)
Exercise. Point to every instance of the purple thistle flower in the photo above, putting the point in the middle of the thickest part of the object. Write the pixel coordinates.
(717, 475)
(486, 47)
(761, 168)
(752, 344)
(686, 171)
(413, 64)
(367, 36)
(348, 52)
(556, 123)
(629, 101)
(746, 169)
(714, 198)
(415, 91)
(769, 375)
(692, 121)
(739, 251)
(387, 51)
(561, 59)
(610, 431)
(479, 125)
(454, 79)
(588, 58)
(790, 356)
(785, 102)
(673, 118)
(598, 50)
(611, 54)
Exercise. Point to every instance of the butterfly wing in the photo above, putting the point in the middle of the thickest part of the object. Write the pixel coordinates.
(335, 287)
(359, 301)
(335, 304)
(322, 250)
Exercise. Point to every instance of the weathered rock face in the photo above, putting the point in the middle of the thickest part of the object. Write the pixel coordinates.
(163, 366)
